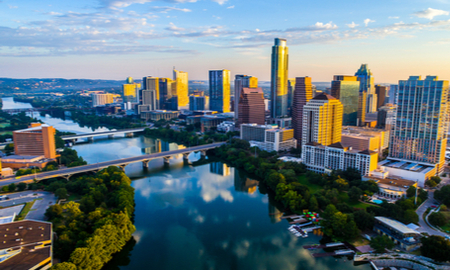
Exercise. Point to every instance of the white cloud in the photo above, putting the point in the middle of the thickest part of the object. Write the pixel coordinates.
(116, 4)
(352, 25)
(220, 2)
(393, 17)
(430, 13)
(326, 26)
(367, 21)
(230, 7)
(173, 27)
(167, 9)
(11, 7)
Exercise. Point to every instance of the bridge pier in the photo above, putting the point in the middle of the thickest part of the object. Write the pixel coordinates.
(167, 159)
(145, 163)
(90, 139)
(203, 153)
(74, 141)
(186, 156)
(122, 167)
(67, 177)
(129, 135)
(111, 136)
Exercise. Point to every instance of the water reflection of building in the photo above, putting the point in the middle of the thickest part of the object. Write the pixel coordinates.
(244, 184)
(158, 146)
(274, 213)
(219, 168)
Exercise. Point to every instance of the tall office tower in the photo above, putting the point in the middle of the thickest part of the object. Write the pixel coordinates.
(241, 81)
(151, 84)
(393, 94)
(367, 86)
(346, 89)
(290, 98)
(102, 99)
(168, 99)
(381, 95)
(219, 90)
(251, 107)
(279, 79)
(322, 120)
(131, 91)
(198, 102)
(149, 100)
(37, 140)
(420, 132)
(181, 89)
(302, 94)
(362, 100)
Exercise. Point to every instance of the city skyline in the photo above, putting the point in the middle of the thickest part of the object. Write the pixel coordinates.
(112, 39)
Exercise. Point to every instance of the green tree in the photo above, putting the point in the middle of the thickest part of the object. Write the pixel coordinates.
(21, 186)
(443, 195)
(381, 243)
(313, 204)
(410, 216)
(5, 188)
(54, 211)
(64, 266)
(61, 193)
(436, 179)
(364, 220)
(436, 248)
(12, 187)
(437, 219)
(355, 193)
(430, 183)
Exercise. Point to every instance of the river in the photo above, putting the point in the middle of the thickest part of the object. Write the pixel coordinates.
(205, 216)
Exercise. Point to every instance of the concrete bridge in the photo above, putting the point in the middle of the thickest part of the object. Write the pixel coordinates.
(122, 163)
(24, 110)
(90, 136)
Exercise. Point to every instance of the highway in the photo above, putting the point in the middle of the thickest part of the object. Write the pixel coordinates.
(104, 133)
(67, 172)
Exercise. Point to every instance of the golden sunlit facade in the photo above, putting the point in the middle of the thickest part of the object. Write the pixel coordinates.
(219, 90)
(279, 79)
(130, 92)
(181, 88)
(322, 120)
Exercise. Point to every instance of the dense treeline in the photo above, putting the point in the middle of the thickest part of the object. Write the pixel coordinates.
(48, 101)
(187, 138)
(92, 230)
(95, 121)
(436, 248)
(11, 122)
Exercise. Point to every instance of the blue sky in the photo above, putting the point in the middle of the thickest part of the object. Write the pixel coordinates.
(113, 39)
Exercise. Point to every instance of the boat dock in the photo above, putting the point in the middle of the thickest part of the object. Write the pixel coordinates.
(329, 245)
(335, 253)
(291, 216)
(348, 249)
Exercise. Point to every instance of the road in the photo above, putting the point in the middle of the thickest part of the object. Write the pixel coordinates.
(101, 165)
(424, 227)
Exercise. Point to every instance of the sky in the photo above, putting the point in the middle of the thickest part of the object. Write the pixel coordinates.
(114, 39)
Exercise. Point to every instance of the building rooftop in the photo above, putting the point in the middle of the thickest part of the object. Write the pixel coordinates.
(324, 96)
(396, 225)
(406, 165)
(38, 128)
(20, 157)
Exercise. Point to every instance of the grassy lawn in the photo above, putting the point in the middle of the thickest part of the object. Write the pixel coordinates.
(25, 210)
(313, 188)
(6, 133)
(3, 125)
(359, 241)
(344, 197)
(74, 197)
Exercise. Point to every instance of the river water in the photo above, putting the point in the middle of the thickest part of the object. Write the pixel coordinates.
(198, 215)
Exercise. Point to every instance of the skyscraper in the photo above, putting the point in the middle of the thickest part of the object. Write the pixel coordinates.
(219, 90)
(302, 94)
(279, 79)
(37, 140)
(131, 92)
(322, 120)
(168, 99)
(420, 132)
(381, 95)
(290, 99)
(102, 99)
(346, 89)
(181, 88)
(198, 101)
(251, 107)
(367, 86)
(151, 84)
(241, 81)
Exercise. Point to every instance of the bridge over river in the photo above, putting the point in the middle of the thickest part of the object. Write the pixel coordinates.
(110, 133)
(122, 163)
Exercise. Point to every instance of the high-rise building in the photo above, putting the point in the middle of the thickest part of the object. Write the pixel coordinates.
(381, 91)
(268, 137)
(149, 100)
(102, 99)
(279, 79)
(420, 132)
(151, 84)
(367, 86)
(362, 101)
(198, 101)
(346, 89)
(241, 81)
(131, 91)
(322, 120)
(302, 94)
(181, 88)
(219, 90)
(291, 91)
(38, 140)
(251, 106)
(393, 94)
(168, 99)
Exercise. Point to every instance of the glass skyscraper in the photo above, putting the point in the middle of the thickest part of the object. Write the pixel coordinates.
(346, 89)
(420, 132)
(219, 90)
(279, 79)
(241, 81)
